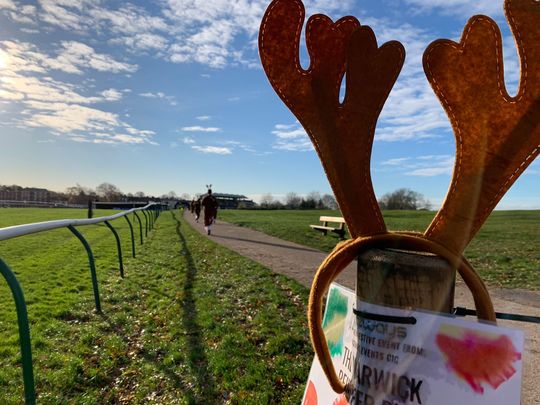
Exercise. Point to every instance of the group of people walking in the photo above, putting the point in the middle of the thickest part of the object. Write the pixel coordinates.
(210, 205)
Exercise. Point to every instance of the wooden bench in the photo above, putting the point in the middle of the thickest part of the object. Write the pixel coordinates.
(324, 228)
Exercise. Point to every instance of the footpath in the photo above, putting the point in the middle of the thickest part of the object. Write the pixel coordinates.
(301, 262)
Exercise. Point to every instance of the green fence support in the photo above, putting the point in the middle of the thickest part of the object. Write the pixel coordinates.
(145, 223)
(150, 222)
(92, 265)
(132, 236)
(140, 224)
(118, 248)
(24, 333)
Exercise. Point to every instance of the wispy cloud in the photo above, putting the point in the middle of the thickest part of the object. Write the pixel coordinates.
(111, 95)
(63, 108)
(142, 42)
(203, 117)
(227, 147)
(198, 128)
(160, 95)
(291, 138)
(7, 5)
(395, 161)
(216, 33)
(423, 166)
(217, 150)
(73, 56)
(458, 7)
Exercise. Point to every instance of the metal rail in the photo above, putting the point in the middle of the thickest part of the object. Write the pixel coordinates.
(11, 232)
(17, 292)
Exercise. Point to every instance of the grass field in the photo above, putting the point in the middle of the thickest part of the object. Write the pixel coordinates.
(190, 323)
(506, 251)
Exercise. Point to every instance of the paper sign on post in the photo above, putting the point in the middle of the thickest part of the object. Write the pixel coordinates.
(391, 356)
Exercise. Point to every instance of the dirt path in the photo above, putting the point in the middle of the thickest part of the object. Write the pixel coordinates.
(300, 263)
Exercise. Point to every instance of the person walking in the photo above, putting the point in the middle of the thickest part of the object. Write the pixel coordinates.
(210, 205)
(197, 209)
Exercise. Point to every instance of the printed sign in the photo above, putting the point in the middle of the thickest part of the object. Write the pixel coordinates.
(390, 356)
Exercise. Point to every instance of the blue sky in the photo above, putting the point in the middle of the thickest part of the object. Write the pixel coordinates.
(170, 95)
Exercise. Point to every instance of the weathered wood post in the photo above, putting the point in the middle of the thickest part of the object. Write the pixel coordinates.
(405, 279)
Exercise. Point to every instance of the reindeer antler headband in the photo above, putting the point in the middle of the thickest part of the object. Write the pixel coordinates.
(497, 136)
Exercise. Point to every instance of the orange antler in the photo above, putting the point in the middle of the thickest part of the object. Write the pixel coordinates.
(498, 136)
(342, 133)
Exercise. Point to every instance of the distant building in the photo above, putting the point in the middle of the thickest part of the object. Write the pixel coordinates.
(18, 193)
(232, 201)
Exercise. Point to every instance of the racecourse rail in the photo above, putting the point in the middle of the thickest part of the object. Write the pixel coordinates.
(150, 212)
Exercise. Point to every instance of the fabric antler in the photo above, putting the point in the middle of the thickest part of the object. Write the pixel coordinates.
(342, 133)
(497, 136)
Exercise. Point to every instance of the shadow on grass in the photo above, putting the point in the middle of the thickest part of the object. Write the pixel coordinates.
(204, 390)
(197, 357)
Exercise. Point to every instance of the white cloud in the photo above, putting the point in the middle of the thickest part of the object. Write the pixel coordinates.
(7, 4)
(160, 95)
(129, 19)
(203, 117)
(292, 134)
(291, 138)
(395, 161)
(188, 141)
(61, 107)
(459, 7)
(142, 41)
(285, 127)
(111, 95)
(24, 15)
(69, 118)
(218, 150)
(412, 110)
(215, 33)
(423, 166)
(207, 31)
(72, 57)
(75, 55)
(198, 128)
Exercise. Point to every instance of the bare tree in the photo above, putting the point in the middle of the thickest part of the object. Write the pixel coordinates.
(403, 199)
(109, 192)
(266, 200)
(139, 194)
(293, 200)
(79, 195)
(313, 200)
(185, 196)
(329, 202)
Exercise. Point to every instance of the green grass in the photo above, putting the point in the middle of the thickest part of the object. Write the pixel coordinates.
(505, 252)
(191, 322)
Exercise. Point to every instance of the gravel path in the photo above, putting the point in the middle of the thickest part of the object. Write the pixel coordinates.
(300, 263)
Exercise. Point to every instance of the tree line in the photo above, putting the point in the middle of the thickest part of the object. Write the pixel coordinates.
(401, 199)
(294, 201)
(109, 192)
(81, 195)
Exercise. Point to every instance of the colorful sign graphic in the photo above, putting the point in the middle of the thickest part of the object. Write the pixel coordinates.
(389, 356)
